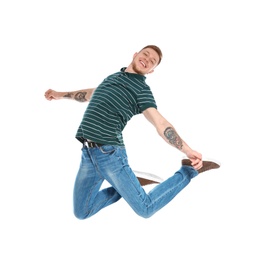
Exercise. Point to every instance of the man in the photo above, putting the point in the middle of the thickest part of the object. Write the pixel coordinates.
(111, 105)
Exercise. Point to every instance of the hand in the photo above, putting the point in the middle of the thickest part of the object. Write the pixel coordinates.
(195, 158)
(51, 94)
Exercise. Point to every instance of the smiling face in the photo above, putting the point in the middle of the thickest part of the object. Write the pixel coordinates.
(144, 62)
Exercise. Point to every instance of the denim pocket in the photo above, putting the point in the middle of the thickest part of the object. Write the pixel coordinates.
(107, 149)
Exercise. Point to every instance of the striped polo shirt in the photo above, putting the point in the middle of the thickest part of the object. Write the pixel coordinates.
(115, 101)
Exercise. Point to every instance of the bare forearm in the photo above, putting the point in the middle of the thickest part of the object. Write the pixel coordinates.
(165, 129)
(171, 136)
(83, 95)
(79, 95)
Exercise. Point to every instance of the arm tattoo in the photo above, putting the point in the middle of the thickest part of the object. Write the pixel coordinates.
(172, 136)
(68, 95)
(81, 96)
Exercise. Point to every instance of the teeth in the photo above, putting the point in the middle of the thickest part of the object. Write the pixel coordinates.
(143, 63)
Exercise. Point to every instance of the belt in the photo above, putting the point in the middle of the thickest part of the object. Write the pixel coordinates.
(91, 144)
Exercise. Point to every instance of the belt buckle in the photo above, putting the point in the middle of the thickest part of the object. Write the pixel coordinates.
(91, 144)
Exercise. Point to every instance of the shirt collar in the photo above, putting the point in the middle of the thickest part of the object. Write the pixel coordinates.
(133, 75)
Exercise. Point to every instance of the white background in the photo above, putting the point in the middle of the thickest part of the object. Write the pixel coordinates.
(206, 86)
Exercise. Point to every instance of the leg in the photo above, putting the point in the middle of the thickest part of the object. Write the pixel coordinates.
(116, 170)
(145, 205)
(162, 194)
(87, 197)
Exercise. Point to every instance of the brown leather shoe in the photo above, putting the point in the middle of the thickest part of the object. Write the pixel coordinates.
(207, 165)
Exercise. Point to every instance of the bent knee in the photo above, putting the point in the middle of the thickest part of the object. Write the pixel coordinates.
(81, 215)
(144, 214)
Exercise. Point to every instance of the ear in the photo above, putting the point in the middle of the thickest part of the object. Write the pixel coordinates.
(135, 55)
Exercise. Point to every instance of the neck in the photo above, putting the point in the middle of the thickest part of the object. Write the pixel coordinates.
(130, 69)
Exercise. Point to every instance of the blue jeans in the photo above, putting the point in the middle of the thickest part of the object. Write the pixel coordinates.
(110, 163)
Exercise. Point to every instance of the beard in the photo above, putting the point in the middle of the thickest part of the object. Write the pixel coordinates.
(136, 69)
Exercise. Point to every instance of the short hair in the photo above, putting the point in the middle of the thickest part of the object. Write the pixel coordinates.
(157, 49)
